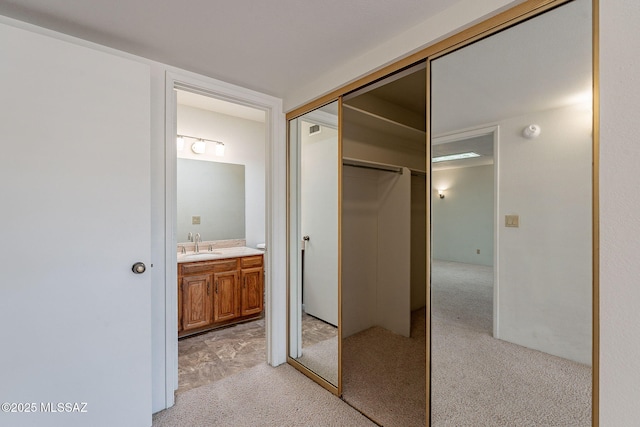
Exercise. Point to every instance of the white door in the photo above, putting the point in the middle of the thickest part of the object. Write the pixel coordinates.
(74, 188)
(319, 223)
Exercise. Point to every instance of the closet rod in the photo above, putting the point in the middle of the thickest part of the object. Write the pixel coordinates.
(371, 165)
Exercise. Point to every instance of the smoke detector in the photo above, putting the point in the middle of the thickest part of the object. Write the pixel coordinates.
(531, 131)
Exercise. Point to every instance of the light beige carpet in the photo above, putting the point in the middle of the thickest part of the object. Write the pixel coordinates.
(481, 381)
(260, 396)
(476, 380)
(383, 374)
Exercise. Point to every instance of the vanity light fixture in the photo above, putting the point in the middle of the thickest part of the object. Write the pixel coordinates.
(458, 156)
(441, 194)
(199, 147)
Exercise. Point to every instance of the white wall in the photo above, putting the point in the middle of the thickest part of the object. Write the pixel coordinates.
(376, 227)
(418, 242)
(463, 221)
(544, 265)
(393, 290)
(619, 207)
(244, 142)
(359, 249)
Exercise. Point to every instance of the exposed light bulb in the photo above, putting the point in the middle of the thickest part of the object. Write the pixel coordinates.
(199, 147)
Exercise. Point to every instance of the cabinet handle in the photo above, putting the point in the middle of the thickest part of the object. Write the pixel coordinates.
(208, 288)
(216, 286)
(244, 284)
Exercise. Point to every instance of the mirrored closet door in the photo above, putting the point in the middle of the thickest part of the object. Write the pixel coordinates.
(511, 224)
(384, 249)
(314, 196)
(441, 217)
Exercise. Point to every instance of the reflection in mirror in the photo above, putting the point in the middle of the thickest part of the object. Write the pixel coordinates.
(210, 200)
(313, 245)
(384, 249)
(511, 278)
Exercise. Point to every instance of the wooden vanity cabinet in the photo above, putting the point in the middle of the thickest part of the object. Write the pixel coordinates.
(227, 296)
(196, 301)
(252, 278)
(219, 292)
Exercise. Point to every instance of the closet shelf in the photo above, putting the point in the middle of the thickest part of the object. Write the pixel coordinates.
(382, 124)
(347, 161)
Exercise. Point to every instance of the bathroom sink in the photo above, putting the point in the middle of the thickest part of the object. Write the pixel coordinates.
(199, 255)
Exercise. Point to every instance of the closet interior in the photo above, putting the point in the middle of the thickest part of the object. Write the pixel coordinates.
(384, 248)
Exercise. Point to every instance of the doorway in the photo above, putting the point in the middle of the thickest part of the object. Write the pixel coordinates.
(220, 209)
(165, 297)
(464, 230)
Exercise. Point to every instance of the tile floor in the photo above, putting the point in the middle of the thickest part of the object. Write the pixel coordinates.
(217, 354)
(220, 353)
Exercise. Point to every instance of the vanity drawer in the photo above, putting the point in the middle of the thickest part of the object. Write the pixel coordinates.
(251, 261)
(209, 266)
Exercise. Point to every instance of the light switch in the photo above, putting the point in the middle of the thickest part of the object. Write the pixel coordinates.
(195, 220)
(511, 220)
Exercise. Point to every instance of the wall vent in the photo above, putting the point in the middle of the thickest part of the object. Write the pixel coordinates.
(314, 129)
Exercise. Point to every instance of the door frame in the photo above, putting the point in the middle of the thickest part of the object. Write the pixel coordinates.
(474, 132)
(275, 203)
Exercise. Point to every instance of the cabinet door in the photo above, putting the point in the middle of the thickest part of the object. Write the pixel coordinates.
(227, 296)
(179, 305)
(252, 290)
(196, 301)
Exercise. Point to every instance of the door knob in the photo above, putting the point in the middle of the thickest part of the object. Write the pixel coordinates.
(139, 268)
(305, 238)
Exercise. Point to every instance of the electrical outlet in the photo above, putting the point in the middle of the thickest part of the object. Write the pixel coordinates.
(195, 220)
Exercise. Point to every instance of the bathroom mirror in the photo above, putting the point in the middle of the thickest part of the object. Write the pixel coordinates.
(210, 200)
(313, 288)
(511, 223)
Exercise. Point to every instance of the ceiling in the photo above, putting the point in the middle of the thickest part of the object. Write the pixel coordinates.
(269, 46)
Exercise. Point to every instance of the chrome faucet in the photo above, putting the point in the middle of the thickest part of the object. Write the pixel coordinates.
(190, 237)
(182, 249)
(197, 239)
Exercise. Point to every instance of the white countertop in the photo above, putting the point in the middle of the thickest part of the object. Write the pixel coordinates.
(219, 253)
